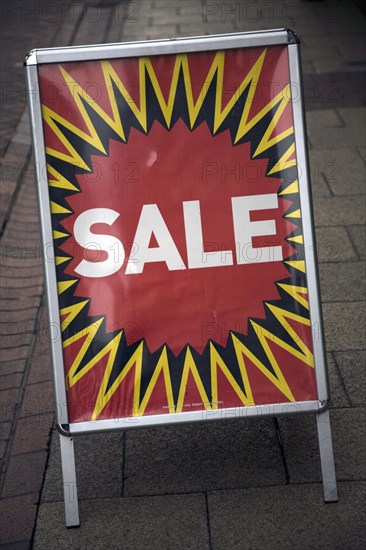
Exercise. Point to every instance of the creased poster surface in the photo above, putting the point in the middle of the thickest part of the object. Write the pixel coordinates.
(177, 233)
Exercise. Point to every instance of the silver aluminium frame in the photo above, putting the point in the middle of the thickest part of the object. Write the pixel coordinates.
(160, 47)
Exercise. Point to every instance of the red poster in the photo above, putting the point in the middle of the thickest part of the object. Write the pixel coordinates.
(177, 233)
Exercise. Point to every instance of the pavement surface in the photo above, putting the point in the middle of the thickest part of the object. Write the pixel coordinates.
(240, 485)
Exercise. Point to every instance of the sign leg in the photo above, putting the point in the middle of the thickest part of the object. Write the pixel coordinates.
(69, 481)
(326, 457)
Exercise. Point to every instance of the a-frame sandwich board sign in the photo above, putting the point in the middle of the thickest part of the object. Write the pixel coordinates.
(177, 227)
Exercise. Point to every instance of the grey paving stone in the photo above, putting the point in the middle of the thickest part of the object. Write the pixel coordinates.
(302, 30)
(339, 211)
(214, 28)
(3, 446)
(338, 395)
(202, 457)
(133, 32)
(353, 49)
(32, 434)
(163, 31)
(17, 148)
(164, 20)
(115, 26)
(324, 40)
(349, 428)
(287, 517)
(342, 282)
(20, 293)
(98, 459)
(21, 545)
(343, 170)
(332, 140)
(344, 325)
(300, 442)
(7, 189)
(92, 25)
(194, 9)
(333, 244)
(13, 341)
(149, 523)
(319, 186)
(352, 116)
(17, 517)
(5, 428)
(307, 66)
(313, 52)
(10, 381)
(357, 233)
(329, 65)
(40, 369)
(21, 138)
(346, 23)
(14, 354)
(24, 474)
(334, 86)
(13, 313)
(38, 399)
(12, 367)
(319, 119)
(362, 151)
(352, 366)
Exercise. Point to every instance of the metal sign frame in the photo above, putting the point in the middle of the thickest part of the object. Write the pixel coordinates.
(80, 54)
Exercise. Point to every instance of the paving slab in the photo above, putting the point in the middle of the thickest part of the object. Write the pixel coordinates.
(22, 292)
(98, 459)
(344, 325)
(288, 517)
(362, 151)
(12, 367)
(92, 25)
(339, 397)
(343, 170)
(13, 530)
(352, 368)
(202, 457)
(319, 186)
(333, 84)
(355, 116)
(328, 117)
(300, 443)
(24, 474)
(40, 370)
(20, 545)
(21, 306)
(333, 244)
(352, 136)
(38, 400)
(346, 283)
(357, 233)
(337, 211)
(9, 404)
(147, 523)
(327, 52)
(32, 434)
(5, 429)
(350, 443)
(346, 24)
(10, 381)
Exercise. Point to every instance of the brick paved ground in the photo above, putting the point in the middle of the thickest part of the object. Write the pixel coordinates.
(239, 485)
